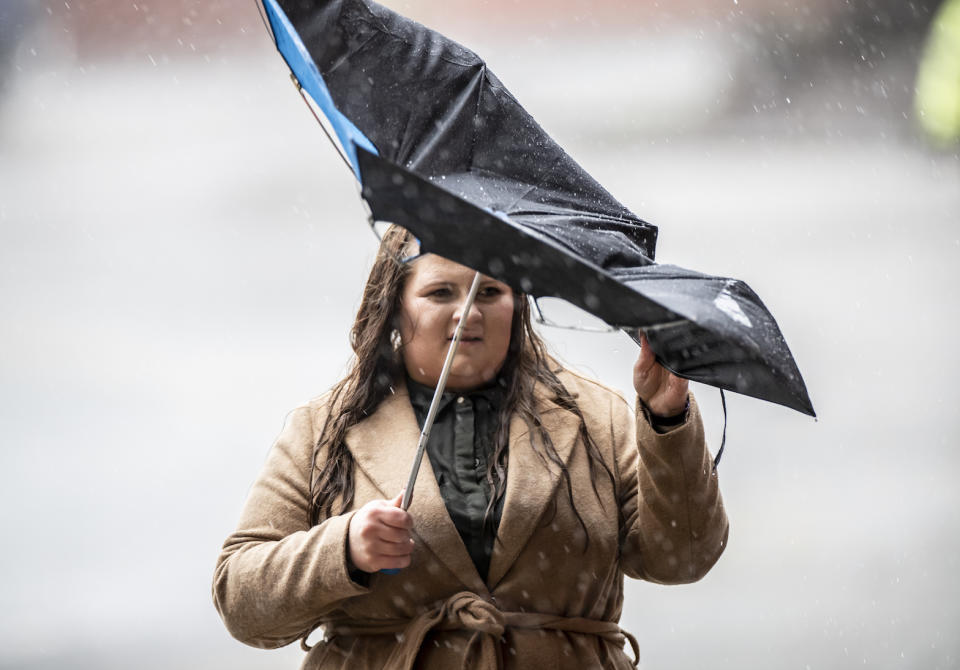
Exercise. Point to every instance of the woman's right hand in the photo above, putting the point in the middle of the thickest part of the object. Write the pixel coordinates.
(379, 536)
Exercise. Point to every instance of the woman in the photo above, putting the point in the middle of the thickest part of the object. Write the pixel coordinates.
(542, 491)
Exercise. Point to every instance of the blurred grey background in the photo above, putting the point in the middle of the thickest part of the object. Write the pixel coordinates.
(181, 255)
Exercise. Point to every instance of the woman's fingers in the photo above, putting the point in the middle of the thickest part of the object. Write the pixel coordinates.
(375, 528)
(647, 373)
(390, 534)
(662, 392)
(646, 359)
(379, 536)
(394, 517)
(404, 548)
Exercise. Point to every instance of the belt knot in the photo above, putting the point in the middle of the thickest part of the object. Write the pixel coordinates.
(469, 611)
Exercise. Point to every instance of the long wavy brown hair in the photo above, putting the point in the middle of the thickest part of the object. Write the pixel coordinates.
(378, 366)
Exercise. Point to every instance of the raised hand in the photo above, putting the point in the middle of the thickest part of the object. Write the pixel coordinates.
(664, 394)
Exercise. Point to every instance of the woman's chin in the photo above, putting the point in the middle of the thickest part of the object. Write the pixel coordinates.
(468, 377)
(466, 373)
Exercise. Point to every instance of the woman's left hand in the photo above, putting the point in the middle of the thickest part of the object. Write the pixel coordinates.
(664, 394)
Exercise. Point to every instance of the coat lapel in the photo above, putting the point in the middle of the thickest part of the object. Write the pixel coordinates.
(383, 446)
(531, 484)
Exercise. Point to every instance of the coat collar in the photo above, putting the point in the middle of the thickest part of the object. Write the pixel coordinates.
(384, 445)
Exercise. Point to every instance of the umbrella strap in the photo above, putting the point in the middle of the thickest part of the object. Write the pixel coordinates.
(723, 440)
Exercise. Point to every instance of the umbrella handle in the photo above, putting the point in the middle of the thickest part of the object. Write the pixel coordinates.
(435, 403)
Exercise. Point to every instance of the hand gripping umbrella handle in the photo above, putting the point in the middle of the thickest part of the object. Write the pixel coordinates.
(435, 403)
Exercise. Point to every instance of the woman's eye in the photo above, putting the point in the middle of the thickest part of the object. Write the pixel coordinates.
(446, 293)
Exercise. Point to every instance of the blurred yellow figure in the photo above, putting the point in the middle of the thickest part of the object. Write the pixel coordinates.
(937, 99)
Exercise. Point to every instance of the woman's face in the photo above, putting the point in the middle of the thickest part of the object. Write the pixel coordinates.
(430, 308)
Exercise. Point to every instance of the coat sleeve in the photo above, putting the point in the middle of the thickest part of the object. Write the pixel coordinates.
(673, 525)
(277, 576)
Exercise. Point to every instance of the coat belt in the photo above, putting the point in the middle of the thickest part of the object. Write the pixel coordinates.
(468, 611)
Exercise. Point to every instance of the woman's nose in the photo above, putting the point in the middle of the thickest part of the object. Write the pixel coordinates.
(473, 315)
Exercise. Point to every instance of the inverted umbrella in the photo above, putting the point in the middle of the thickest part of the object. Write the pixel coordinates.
(444, 150)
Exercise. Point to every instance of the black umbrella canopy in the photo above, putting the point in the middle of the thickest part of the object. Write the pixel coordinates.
(465, 168)
(434, 107)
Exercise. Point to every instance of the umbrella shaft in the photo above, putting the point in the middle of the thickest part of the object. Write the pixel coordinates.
(441, 385)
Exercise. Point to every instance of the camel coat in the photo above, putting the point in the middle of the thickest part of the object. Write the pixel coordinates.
(551, 598)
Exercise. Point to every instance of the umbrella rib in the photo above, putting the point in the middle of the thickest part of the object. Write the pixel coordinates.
(266, 23)
(669, 324)
(336, 145)
(438, 393)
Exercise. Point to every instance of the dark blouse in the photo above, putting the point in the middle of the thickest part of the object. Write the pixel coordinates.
(460, 447)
